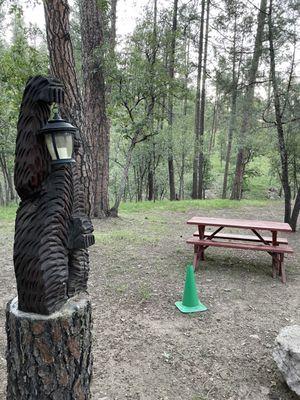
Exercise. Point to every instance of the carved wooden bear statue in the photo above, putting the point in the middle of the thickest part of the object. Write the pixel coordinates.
(51, 233)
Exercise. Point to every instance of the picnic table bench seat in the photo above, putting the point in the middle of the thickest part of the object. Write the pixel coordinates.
(284, 248)
(277, 252)
(236, 236)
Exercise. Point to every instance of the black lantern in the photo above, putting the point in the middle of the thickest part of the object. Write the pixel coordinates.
(59, 138)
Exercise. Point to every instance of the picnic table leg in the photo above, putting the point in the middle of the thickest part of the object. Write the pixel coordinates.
(282, 268)
(196, 258)
(274, 265)
(274, 238)
(201, 230)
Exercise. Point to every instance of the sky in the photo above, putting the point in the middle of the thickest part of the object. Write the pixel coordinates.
(127, 14)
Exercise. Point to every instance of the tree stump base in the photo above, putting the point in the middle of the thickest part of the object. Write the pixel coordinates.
(49, 357)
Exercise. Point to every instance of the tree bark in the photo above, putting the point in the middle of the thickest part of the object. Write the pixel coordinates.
(113, 22)
(197, 107)
(62, 66)
(150, 185)
(89, 116)
(170, 102)
(214, 124)
(202, 111)
(181, 176)
(232, 118)
(279, 126)
(152, 103)
(62, 62)
(96, 121)
(49, 357)
(8, 182)
(115, 209)
(2, 201)
(236, 193)
(112, 43)
(295, 213)
(185, 129)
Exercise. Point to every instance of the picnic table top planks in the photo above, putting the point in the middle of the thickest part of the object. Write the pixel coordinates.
(241, 223)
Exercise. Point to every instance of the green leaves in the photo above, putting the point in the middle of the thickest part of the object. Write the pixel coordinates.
(19, 60)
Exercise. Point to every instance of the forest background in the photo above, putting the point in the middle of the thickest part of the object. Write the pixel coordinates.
(199, 100)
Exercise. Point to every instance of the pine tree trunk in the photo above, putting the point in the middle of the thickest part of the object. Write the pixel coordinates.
(112, 43)
(170, 103)
(181, 177)
(279, 126)
(214, 123)
(10, 193)
(96, 121)
(152, 103)
(150, 185)
(295, 213)
(62, 62)
(2, 202)
(202, 111)
(89, 116)
(49, 357)
(115, 209)
(113, 20)
(232, 118)
(197, 107)
(236, 193)
(62, 66)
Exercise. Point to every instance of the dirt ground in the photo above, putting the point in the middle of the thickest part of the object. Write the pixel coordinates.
(144, 348)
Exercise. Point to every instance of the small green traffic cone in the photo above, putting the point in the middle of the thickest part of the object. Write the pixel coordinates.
(190, 302)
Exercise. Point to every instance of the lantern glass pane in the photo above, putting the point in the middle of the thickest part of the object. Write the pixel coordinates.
(50, 146)
(62, 149)
(64, 145)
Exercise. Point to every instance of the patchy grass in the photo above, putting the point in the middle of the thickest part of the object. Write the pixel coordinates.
(125, 236)
(145, 292)
(187, 205)
(8, 213)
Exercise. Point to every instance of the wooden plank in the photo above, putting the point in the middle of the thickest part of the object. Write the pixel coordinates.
(241, 223)
(241, 246)
(247, 238)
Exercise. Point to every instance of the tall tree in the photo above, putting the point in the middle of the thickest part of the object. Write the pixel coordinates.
(171, 70)
(62, 62)
(151, 57)
(89, 116)
(92, 17)
(197, 106)
(242, 156)
(233, 105)
(289, 216)
(202, 109)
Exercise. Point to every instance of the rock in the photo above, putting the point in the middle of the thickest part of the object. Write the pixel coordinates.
(255, 337)
(287, 355)
(264, 390)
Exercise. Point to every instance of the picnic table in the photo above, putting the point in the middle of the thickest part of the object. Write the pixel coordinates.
(277, 247)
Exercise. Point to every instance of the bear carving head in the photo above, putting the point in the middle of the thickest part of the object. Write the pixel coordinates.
(32, 160)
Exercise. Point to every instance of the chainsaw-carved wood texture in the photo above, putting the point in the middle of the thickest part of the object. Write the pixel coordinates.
(52, 233)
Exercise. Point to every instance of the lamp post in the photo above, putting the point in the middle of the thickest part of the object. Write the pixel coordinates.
(49, 324)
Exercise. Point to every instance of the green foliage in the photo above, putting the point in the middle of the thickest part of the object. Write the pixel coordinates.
(138, 87)
(8, 213)
(19, 60)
